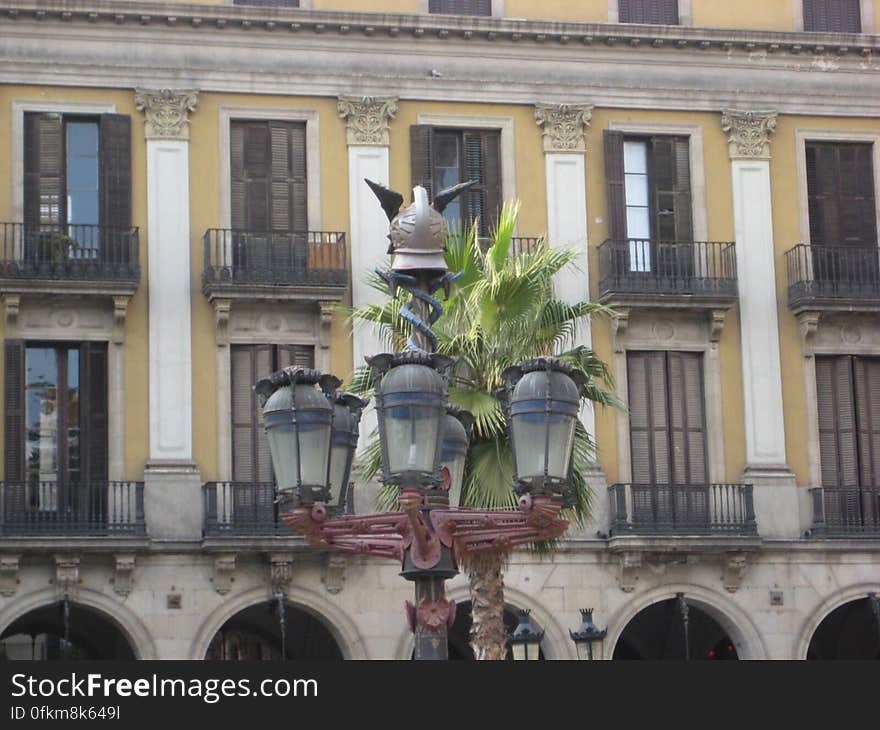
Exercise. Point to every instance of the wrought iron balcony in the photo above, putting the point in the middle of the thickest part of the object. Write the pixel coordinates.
(52, 508)
(845, 512)
(833, 277)
(234, 509)
(685, 509)
(307, 264)
(67, 256)
(518, 244)
(693, 272)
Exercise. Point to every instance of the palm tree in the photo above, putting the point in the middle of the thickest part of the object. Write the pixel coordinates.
(500, 312)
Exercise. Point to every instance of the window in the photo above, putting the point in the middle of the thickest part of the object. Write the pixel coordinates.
(832, 16)
(461, 7)
(269, 3)
(250, 363)
(56, 415)
(662, 12)
(77, 183)
(442, 157)
(649, 199)
(848, 399)
(667, 420)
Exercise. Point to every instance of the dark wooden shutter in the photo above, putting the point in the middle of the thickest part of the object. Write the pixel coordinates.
(670, 181)
(838, 451)
(115, 186)
(832, 16)
(481, 158)
(14, 411)
(43, 170)
(687, 423)
(822, 187)
(268, 3)
(461, 7)
(421, 146)
(614, 181)
(250, 450)
(649, 420)
(298, 356)
(866, 372)
(93, 412)
(648, 11)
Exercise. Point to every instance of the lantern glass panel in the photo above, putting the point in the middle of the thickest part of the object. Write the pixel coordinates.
(519, 651)
(411, 432)
(282, 447)
(530, 436)
(340, 456)
(584, 650)
(314, 444)
(454, 461)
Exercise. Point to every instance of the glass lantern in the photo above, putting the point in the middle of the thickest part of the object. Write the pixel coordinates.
(587, 635)
(456, 440)
(347, 410)
(525, 641)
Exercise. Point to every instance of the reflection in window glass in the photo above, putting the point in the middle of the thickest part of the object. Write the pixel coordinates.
(82, 181)
(447, 169)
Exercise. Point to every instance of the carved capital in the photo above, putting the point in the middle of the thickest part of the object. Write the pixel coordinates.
(619, 323)
(716, 325)
(123, 573)
(222, 308)
(734, 570)
(808, 324)
(67, 578)
(366, 118)
(120, 310)
(630, 565)
(166, 111)
(9, 579)
(564, 126)
(224, 573)
(334, 572)
(11, 303)
(280, 572)
(749, 133)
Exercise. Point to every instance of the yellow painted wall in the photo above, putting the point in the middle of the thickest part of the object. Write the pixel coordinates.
(573, 11)
(368, 6)
(136, 349)
(755, 14)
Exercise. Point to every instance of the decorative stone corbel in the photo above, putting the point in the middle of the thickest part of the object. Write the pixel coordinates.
(716, 325)
(280, 572)
(334, 572)
(222, 308)
(123, 573)
(67, 578)
(808, 324)
(619, 323)
(12, 303)
(630, 565)
(734, 570)
(9, 579)
(327, 309)
(224, 573)
(120, 310)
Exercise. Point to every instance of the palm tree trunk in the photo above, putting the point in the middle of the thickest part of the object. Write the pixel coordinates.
(488, 636)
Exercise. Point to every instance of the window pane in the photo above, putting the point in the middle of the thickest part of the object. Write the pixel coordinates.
(72, 426)
(41, 399)
(636, 189)
(635, 157)
(82, 173)
(447, 169)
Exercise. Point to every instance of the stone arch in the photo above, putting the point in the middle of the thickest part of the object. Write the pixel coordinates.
(555, 644)
(734, 620)
(121, 616)
(337, 622)
(825, 609)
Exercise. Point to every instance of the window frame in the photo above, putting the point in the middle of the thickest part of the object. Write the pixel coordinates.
(497, 10)
(685, 14)
(866, 13)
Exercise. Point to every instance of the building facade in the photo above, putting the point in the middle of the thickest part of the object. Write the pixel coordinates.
(183, 207)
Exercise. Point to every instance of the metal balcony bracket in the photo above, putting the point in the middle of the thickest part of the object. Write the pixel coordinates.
(67, 578)
(123, 573)
(280, 572)
(735, 565)
(630, 567)
(224, 573)
(333, 576)
(9, 580)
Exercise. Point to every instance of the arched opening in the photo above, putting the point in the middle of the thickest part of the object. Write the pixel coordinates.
(273, 630)
(851, 631)
(64, 630)
(674, 629)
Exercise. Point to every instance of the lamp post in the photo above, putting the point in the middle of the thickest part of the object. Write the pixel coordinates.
(525, 641)
(312, 430)
(586, 635)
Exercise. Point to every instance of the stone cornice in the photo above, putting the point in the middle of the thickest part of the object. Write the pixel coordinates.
(462, 28)
(749, 133)
(367, 118)
(166, 111)
(564, 126)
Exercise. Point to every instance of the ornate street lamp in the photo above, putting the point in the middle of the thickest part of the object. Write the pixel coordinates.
(543, 400)
(298, 418)
(456, 440)
(525, 641)
(587, 635)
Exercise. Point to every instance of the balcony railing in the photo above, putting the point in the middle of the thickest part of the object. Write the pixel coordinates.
(313, 258)
(846, 512)
(242, 509)
(829, 275)
(639, 267)
(85, 509)
(518, 244)
(692, 509)
(70, 252)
